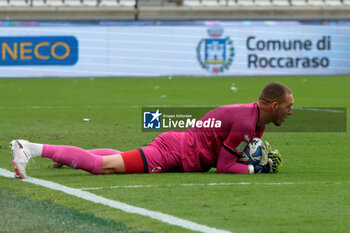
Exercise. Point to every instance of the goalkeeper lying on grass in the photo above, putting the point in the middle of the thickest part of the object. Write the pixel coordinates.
(193, 150)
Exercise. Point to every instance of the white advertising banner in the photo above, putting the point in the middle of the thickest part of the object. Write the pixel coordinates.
(179, 50)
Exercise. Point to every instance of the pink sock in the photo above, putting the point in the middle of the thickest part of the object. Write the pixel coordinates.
(104, 152)
(74, 157)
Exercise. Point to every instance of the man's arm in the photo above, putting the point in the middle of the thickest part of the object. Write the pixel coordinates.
(227, 163)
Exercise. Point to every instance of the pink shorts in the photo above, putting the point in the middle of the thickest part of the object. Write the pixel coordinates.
(163, 154)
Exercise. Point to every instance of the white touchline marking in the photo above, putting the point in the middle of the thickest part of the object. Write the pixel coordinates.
(319, 109)
(172, 220)
(182, 185)
(208, 184)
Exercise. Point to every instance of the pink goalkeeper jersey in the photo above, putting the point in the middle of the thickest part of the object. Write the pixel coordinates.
(201, 146)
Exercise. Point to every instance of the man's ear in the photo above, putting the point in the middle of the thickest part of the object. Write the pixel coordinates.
(274, 106)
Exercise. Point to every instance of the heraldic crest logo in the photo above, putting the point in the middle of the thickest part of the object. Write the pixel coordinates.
(215, 54)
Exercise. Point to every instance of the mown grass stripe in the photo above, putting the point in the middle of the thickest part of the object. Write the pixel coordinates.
(22, 214)
(210, 184)
(118, 205)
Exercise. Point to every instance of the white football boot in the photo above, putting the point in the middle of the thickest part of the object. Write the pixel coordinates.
(21, 157)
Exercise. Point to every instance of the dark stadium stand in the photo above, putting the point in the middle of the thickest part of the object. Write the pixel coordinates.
(174, 9)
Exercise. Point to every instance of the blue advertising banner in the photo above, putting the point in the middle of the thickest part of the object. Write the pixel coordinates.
(38, 50)
(207, 48)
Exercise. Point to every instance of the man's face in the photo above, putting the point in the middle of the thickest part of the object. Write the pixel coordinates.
(283, 110)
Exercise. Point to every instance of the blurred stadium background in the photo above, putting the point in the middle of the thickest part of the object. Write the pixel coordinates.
(174, 9)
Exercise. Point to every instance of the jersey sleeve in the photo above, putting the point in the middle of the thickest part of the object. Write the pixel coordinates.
(237, 141)
(227, 163)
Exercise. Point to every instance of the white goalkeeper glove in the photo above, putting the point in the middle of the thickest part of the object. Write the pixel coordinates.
(265, 150)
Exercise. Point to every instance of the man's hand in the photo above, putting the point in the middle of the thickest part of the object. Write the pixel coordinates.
(275, 161)
(268, 147)
(265, 150)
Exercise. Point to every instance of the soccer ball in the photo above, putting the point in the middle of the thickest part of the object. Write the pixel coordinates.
(253, 152)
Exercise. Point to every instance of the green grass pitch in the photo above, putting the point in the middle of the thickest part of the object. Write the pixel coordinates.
(48, 217)
(310, 194)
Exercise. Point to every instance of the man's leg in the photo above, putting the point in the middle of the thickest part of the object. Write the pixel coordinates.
(23, 151)
(74, 157)
(101, 152)
(125, 162)
(71, 156)
(104, 152)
